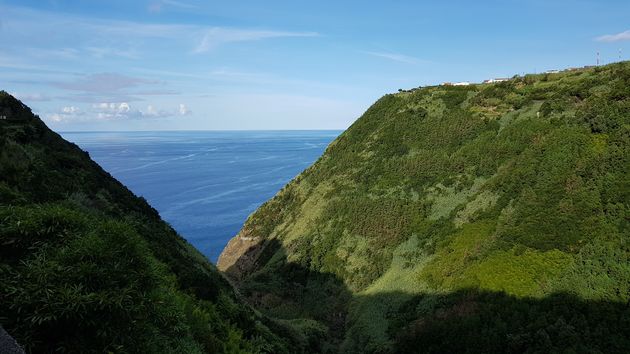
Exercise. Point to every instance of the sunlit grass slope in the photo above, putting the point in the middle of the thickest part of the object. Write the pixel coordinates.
(456, 202)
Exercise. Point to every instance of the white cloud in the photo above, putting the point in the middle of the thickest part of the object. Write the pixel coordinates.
(216, 36)
(618, 37)
(111, 111)
(394, 57)
(70, 110)
(113, 108)
(183, 110)
(67, 114)
(122, 110)
(152, 112)
(55, 117)
(125, 39)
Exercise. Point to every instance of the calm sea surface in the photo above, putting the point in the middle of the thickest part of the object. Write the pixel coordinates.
(206, 183)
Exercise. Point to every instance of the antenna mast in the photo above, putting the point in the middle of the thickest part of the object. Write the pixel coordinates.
(597, 58)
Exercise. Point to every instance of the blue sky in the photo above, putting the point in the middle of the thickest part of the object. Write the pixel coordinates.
(193, 64)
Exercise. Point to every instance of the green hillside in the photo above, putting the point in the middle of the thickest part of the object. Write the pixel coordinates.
(483, 218)
(86, 266)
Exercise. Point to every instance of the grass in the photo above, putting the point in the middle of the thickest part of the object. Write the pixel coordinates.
(446, 268)
(446, 199)
(483, 201)
(516, 188)
(518, 272)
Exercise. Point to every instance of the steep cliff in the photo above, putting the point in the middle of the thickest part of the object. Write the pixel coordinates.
(483, 218)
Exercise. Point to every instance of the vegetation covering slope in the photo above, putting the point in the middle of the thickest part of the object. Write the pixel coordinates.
(484, 218)
(86, 266)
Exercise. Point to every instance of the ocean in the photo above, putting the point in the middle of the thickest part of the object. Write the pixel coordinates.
(205, 183)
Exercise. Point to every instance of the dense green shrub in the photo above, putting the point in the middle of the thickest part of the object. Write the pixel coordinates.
(86, 266)
(519, 188)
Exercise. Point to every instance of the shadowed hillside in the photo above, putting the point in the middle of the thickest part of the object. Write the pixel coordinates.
(468, 320)
(86, 266)
(453, 219)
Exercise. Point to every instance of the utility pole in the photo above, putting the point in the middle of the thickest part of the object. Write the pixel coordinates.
(619, 54)
(597, 58)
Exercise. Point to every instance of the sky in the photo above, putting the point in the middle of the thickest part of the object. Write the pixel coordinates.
(253, 65)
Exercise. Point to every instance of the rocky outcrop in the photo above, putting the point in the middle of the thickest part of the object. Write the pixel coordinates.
(8, 345)
(240, 255)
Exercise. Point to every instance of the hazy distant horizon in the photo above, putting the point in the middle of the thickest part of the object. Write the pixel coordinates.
(205, 183)
(198, 130)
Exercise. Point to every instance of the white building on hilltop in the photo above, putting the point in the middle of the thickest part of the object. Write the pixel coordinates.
(492, 81)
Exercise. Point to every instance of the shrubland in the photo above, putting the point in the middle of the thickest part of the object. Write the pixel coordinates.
(86, 266)
(485, 218)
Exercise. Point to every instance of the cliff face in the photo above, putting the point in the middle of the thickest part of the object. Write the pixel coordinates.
(8, 345)
(446, 211)
(86, 266)
(240, 255)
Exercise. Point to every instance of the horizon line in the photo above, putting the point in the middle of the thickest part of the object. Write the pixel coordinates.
(200, 130)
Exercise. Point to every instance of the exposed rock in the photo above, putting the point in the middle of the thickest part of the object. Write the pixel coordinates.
(8, 345)
(240, 255)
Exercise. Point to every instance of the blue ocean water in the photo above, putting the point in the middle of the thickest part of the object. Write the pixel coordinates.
(205, 183)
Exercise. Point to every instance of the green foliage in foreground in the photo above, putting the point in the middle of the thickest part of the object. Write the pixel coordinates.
(519, 188)
(469, 321)
(85, 266)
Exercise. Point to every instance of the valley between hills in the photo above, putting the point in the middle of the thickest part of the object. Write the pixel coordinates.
(487, 218)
